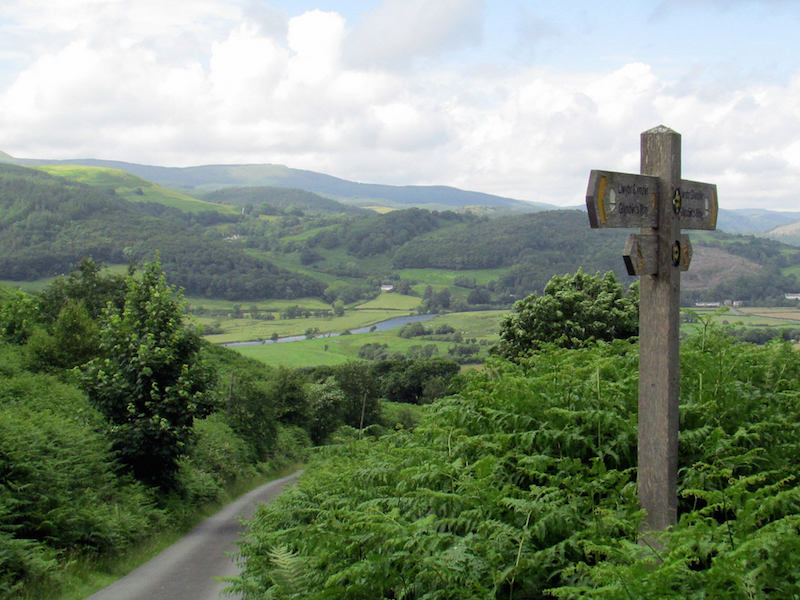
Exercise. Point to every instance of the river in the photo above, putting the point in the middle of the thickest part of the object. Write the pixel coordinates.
(386, 325)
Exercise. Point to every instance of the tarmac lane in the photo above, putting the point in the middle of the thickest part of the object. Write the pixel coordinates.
(190, 568)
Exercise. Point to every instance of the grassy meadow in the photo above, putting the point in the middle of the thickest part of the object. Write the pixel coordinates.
(482, 325)
(246, 328)
(446, 278)
(754, 316)
(132, 188)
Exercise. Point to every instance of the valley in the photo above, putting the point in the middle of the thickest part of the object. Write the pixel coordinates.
(452, 419)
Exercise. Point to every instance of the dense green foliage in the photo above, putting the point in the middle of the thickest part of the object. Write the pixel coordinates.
(147, 378)
(379, 234)
(60, 491)
(574, 311)
(523, 486)
(164, 422)
(64, 493)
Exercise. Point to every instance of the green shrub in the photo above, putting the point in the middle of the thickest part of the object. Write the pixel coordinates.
(292, 446)
(23, 562)
(61, 488)
(216, 458)
(400, 415)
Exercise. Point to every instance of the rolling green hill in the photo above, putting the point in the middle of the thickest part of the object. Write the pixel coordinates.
(281, 200)
(290, 243)
(788, 233)
(133, 188)
(212, 177)
(48, 223)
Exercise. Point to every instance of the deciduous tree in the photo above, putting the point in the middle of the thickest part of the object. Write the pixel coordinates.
(148, 380)
(574, 311)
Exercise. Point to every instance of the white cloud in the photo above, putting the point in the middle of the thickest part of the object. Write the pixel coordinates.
(204, 81)
(315, 38)
(398, 31)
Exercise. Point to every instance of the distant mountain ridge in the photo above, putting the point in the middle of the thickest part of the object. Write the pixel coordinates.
(211, 178)
(755, 220)
(207, 178)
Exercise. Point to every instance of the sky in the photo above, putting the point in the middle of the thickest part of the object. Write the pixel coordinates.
(520, 98)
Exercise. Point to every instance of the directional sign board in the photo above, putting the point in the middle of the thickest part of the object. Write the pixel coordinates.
(641, 254)
(629, 200)
(697, 205)
(621, 200)
(660, 204)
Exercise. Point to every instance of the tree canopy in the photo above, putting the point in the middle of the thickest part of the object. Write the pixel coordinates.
(573, 312)
(148, 380)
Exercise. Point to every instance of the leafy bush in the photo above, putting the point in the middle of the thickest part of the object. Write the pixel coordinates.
(18, 317)
(217, 451)
(23, 562)
(574, 311)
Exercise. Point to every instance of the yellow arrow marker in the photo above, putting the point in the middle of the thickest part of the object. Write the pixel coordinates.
(600, 199)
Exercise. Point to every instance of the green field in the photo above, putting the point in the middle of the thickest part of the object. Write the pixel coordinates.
(752, 316)
(26, 286)
(793, 270)
(332, 351)
(391, 301)
(271, 305)
(446, 278)
(132, 188)
(483, 325)
(244, 329)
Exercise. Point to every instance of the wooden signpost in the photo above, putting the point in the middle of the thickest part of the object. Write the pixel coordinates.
(660, 204)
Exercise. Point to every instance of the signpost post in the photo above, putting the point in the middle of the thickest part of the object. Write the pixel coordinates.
(660, 204)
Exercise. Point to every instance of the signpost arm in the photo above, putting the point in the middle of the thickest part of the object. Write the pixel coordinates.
(659, 320)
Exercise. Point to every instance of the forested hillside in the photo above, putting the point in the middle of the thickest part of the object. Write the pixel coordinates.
(48, 224)
(533, 247)
(288, 243)
(382, 234)
(277, 200)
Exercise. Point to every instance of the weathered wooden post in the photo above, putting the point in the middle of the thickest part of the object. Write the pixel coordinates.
(660, 203)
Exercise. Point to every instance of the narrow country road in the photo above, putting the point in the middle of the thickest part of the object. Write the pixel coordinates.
(188, 570)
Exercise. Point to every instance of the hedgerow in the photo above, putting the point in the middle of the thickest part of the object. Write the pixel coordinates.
(524, 486)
